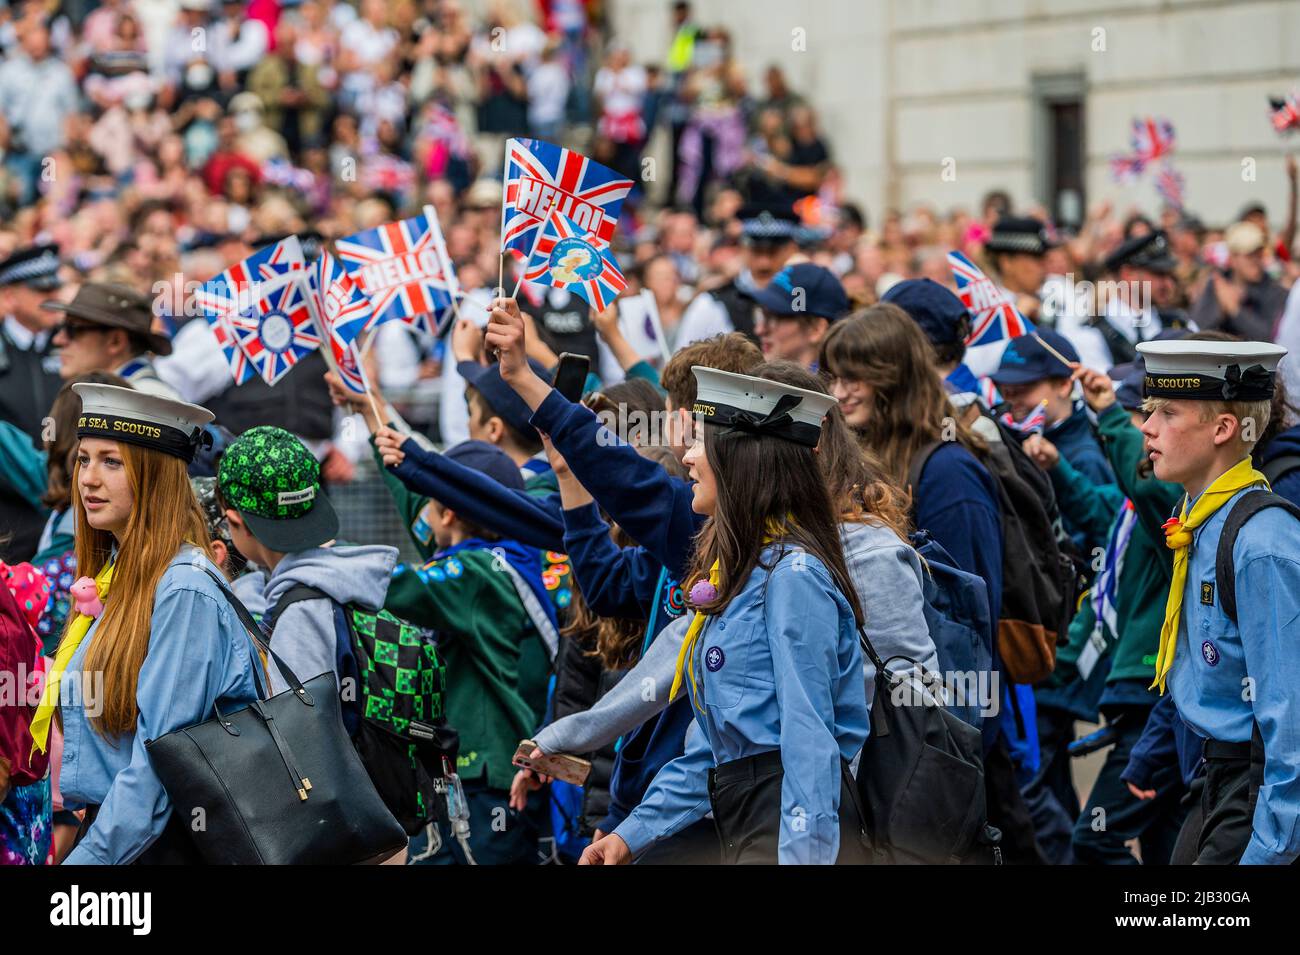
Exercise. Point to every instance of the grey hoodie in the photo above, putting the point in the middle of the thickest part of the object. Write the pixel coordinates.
(304, 635)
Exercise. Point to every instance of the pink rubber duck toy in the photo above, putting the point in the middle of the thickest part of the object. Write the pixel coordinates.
(85, 596)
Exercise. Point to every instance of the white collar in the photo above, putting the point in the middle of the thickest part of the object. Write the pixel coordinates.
(24, 339)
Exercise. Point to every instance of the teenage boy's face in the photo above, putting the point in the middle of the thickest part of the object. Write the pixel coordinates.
(784, 336)
(705, 486)
(1180, 444)
(1026, 397)
(103, 485)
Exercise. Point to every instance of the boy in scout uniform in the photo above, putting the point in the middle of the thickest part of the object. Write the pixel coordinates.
(1230, 642)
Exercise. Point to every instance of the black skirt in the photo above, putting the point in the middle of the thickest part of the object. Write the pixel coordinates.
(746, 798)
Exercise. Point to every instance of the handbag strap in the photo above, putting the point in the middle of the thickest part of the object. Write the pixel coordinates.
(254, 634)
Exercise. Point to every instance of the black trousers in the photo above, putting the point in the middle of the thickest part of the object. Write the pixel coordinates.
(1007, 810)
(1232, 781)
(746, 799)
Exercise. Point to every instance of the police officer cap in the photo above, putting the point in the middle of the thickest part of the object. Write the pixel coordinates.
(763, 224)
(935, 308)
(1020, 234)
(743, 404)
(36, 266)
(1150, 252)
(149, 421)
(1210, 371)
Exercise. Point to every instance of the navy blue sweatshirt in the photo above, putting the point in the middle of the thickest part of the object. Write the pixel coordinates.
(1165, 738)
(652, 506)
(1286, 443)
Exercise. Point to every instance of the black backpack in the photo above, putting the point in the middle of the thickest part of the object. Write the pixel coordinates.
(1040, 580)
(1225, 570)
(395, 713)
(921, 778)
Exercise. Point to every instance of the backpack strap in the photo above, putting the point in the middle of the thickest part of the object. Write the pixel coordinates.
(919, 460)
(293, 595)
(1280, 467)
(1225, 572)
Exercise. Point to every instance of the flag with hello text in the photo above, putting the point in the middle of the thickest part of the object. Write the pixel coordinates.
(994, 316)
(540, 177)
(346, 313)
(399, 269)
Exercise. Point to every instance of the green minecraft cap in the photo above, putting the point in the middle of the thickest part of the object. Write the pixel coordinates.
(273, 481)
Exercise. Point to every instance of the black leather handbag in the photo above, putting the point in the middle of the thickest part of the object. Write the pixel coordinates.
(276, 782)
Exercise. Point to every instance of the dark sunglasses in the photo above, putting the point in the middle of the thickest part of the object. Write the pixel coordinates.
(73, 329)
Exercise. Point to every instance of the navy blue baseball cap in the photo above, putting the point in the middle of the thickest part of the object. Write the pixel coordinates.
(487, 459)
(501, 398)
(1128, 387)
(1028, 359)
(934, 307)
(814, 288)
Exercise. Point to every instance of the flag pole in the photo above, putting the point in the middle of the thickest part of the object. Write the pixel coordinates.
(537, 240)
(501, 259)
(1055, 354)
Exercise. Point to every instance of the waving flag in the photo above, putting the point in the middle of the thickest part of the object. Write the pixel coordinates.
(1285, 113)
(345, 313)
(236, 289)
(569, 257)
(994, 316)
(538, 174)
(1151, 139)
(1034, 422)
(398, 268)
(277, 330)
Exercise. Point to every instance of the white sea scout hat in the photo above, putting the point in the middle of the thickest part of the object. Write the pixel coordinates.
(1210, 371)
(150, 421)
(743, 403)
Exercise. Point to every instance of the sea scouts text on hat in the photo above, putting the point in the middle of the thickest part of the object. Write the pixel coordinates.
(743, 404)
(1210, 371)
(149, 421)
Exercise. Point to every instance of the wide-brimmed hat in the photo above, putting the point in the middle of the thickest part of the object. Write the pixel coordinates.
(115, 306)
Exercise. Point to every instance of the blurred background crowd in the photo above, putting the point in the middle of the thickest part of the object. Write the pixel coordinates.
(156, 142)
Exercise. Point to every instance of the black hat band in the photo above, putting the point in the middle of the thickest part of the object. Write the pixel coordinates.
(1253, 384)
(145, 434)
(777, 423)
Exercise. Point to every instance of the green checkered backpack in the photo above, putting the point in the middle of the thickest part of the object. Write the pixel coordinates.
(392, 686)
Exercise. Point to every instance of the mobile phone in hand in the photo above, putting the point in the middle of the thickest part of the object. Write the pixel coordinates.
(571, 375)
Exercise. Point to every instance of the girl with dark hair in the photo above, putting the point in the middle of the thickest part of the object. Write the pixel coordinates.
(771, 661)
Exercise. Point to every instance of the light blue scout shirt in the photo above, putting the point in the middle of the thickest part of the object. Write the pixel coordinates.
(1209, 675)
(199, 653)
(781, 668)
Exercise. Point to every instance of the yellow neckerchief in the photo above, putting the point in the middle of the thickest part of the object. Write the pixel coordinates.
(1178, 538)
(684, 655)
(62, 657)
(688, 645)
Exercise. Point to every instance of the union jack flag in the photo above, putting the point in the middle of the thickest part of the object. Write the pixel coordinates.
(278, 329)
(1034, 422)
(344, 314)
(1285, 113)
(569, 257)
(1151, 139)
(236, 289)
(240, 369)
(399, 269)
(537, 173)
(994, 316)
